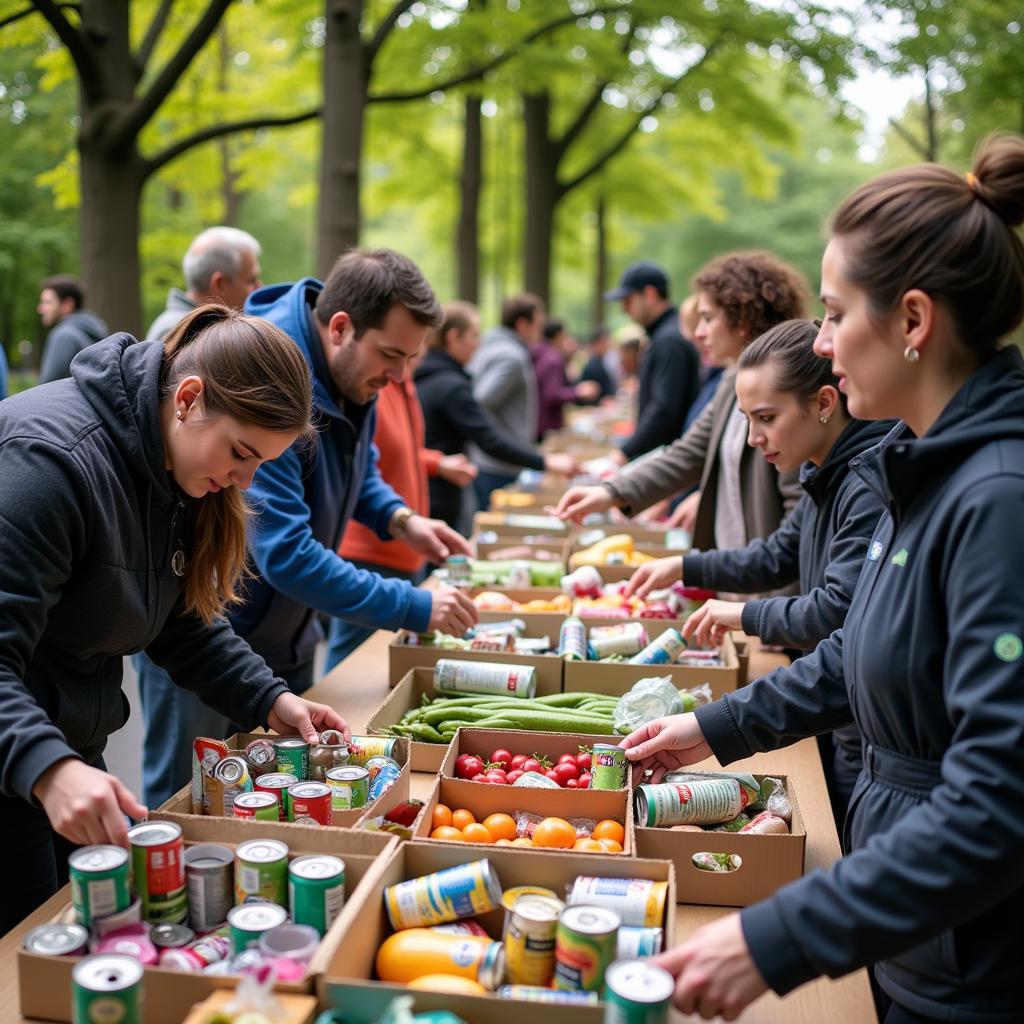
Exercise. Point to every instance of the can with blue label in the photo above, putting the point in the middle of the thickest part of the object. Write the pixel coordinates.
(465, 890)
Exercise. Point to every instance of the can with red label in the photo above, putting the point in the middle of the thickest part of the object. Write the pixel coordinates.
(277, 783)
(158, 865)
(310, 800)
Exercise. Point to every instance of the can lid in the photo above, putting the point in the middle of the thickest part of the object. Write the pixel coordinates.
(277, 780)
(256, 917)
(107, 972)
(56, 939)
(204, 855)
(292, 743)
(258, 799)
(643, 811)
(231, 769)
(168, 935)
(262, 851)
(492, 969)
(590, 920)
(154, 833)
(98, 858)
(538, 908)
(639, 981)
(317, 866)
(347, 773)
(309, 790)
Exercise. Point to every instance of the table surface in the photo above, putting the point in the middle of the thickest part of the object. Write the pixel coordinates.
(358, 686)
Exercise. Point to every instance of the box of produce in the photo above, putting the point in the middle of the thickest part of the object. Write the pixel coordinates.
(734, 838)
(510, 643)
(519, 524)
(515, 572)
(434, 926)
(499, 601)
(513, 498)
(617, 556)
(416, 711)
(265, 763)
(492, 546)
(165, 904)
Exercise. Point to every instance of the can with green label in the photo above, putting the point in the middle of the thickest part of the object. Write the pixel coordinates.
(637, 992)
(261, 871)
(106, 988)
(99, 882)
(350, 787)
(608, 767)
(316, 890)
(247, 923)
(293, 757)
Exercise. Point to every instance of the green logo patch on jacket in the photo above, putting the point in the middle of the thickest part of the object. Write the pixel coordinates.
(900, 558)
(1008, 647)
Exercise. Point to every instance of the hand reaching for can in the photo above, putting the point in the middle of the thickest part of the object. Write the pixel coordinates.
(665, 745)
(292, 714)
(86, 805)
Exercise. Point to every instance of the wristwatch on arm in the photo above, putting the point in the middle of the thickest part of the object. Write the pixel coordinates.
(399, 520)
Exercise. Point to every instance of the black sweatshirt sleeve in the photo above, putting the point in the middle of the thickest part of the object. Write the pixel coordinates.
(467, 417)
(672, 376)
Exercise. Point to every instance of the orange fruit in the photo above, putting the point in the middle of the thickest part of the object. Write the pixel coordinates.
(554, 834)
(447, 983)
(461, 818)
(610, 845)
(442, 815)
(447, 832)
(503, 842)
(588, 846)
(476, 833)
(501, 826)
(522, 841)
(609, 829)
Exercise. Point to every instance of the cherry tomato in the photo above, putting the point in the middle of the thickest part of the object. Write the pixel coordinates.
(566, 759)
(511, 777)
(496, 776)
(531, 764)
(572, 783)
(583, 761)
(480, 777)
(553, 775)
(460, 759)
(584, 780)
(471, 767)
(518, 761)
(566, 771)
(501, 758)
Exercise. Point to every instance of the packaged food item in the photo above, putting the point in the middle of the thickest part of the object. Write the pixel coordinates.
(637, 992)
(663, 650)
(572, 639)
(171, 936)
(609, 765)
(690, 803)
(362, 748)
(316, 890)
(293, 757)
(158, 868)
(627, 638)
(461, 891)
(538, 994)
(256, 806)
(536, 781)
(261, 870)
(383, 772)
(585, 943)
(530, 928)
(100, 883)
(107, 987)
(294, 942)
(325, 756)
(232, 772)
(57, 940)
(706, 861)
(639, 902)
(210, 949)
(206, 753)
(349, 787)
(484, 677)
(249, 921)
(277, 784)
(461, 928)
(634, 942)
(311, 800)
(262, 757)
(413, 952)
(210, 881)
(766, 824)
(583, 582)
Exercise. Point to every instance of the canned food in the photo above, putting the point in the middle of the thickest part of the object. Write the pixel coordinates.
(277, 783)
(459, 571)
(484, 677)
(461, 928)
(572, 639)
(639, 902)
(608, 767)
(316, 890)
(262, 757)
(495, 643)
(310, 800)
(99, 882)
(349, 786)
(634, 942)
(249, 921)
(158, 866)
(637, 992)
(510, 897)
(58, 940)
(690, 803)
(535, 994)
(296, 942)
(210, 878)
(584, 947)
(107, 987)
(131, 915)
(325, 756)
(625, 638)
(411, 953)
(661, 651)
(259, 806)
(233, 772)
(530, 940)
(461, 891)
(520, 574)
(305, 819)
(384, 773)
(362, 748)
(261, 870)
(293, 757)
(206, 754)
(171, 936)
(584, 582)
(210, 949)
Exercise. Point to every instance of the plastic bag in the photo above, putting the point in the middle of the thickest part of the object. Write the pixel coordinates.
(649, 699)
(773, 796)
(527, 822)
(696, 697)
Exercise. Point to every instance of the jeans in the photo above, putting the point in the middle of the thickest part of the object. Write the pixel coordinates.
(173, 718)
(487, 482)
(343, 637)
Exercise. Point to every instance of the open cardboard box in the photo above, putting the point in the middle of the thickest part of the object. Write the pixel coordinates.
(514, 499)
(519, 524)
(179, 807)
(403, 658)
(767, 862)
(538, 623)
(617, 678)
(554, 549)
(621, 573)
(348, 978)
(521, 595)
(44, 982)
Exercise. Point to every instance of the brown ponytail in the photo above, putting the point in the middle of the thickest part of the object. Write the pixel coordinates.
(253, 372)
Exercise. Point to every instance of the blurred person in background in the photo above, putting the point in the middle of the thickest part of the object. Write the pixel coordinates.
(72, 328)
(596, 367)
(550, 356)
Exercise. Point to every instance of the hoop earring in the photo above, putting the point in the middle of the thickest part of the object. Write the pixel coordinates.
(911, 354)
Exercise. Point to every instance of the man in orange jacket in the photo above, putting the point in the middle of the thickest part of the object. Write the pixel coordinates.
(405, 463)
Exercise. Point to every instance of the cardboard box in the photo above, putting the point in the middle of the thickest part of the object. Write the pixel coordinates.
(768, 862)
(44, 982)
(555, 549)
(483, 799)
(519, 524)
(179, 807)
(403, 658)
(521, 595)
(621, 573)
(618, 678)
(348, 978)
(515, 499)
(551, 622)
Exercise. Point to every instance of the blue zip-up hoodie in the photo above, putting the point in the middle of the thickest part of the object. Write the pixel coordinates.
(303, 501)
(930, 664)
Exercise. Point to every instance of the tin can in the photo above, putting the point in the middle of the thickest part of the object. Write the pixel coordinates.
(57, 940)
(530, 940)
(206, 753)
(261, 870)
(625, 638)
(637, 992)
(310, 800)
(256, 806)
(171, 936)
(325, 756)
(277, 783)
(690, 803)
(608, 767)
(484, 677)
(510, 897)
(210, 949)
(459, 572)
(494, 643)
(210, 879)
(316, 890)
(349, 786)
(514, 628)
(584, 582)
(413, 952)
(663, 650)
(461, 928)
(572, 639)
(535, 994)
(262, 757)
(520, 575)
(362, 748)
(248, 922)
(384, 773)
(106, 988)
(158, 866)
(131, 915)
(99, 882)
(639, 902)
(293, 757)
(461, 891)
(296, 942)
(584, 947)
(305, 819)
(634, 942)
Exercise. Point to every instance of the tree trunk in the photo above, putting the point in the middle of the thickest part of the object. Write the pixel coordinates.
(345, 78)
(541, 194)
(600, 263)
(932, 155)
(468, 239)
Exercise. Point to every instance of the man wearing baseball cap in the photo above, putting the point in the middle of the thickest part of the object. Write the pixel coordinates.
(669, 366)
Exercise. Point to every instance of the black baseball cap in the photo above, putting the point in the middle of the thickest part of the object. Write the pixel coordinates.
(638, 276)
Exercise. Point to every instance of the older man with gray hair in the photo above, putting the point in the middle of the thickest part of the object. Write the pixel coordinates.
(222, 265)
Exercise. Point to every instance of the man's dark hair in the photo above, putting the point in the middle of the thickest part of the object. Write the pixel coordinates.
(67, 287)
(599, 333)
(553, 328)
(366, 283)
(523, 306)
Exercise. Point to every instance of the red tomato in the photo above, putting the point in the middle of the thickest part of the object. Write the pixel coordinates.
(470, 767)
(480, 777)
(496, 775)
(531, 764)
(572, 783)
(566, 771)
(501, 758)
(518, 761)
(583, 761)
(511, 777)
(584, 780)
(566, 759)
(553, 775)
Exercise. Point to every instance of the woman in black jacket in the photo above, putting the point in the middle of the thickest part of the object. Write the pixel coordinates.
(453, 417)
(922, 279)
(124, 529)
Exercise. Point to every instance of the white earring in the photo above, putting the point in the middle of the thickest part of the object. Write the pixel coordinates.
(178, 414)
(911, 354)
(823, 419)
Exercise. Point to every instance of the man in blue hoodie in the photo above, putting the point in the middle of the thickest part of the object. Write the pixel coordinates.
(358, 330)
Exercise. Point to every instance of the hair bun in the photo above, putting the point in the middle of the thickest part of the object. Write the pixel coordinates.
(998, 177)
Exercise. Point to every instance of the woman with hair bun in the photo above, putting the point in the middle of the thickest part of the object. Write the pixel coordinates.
(922, 280)
(124, 528)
